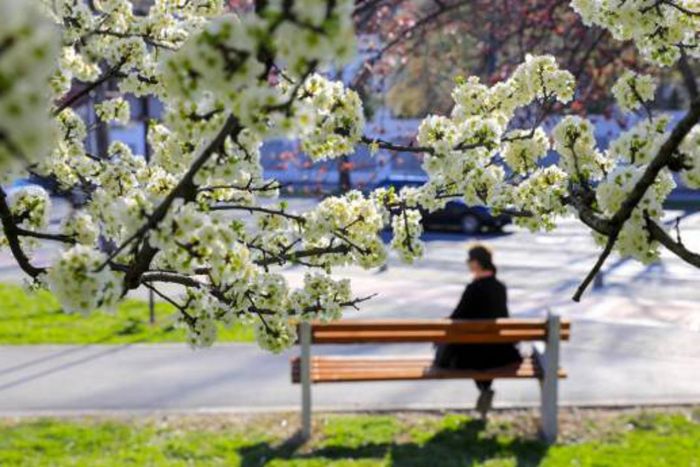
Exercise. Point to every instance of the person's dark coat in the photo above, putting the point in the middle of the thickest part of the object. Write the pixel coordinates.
(485, 298)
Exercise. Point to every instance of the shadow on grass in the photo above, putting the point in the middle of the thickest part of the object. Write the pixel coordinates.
(466, 444)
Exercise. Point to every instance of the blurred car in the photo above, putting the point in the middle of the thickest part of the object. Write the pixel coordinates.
(456, 215)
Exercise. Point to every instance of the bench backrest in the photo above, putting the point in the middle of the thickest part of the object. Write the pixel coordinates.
(506, 330)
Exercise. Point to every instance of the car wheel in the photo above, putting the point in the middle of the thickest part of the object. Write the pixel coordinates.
(470, 224)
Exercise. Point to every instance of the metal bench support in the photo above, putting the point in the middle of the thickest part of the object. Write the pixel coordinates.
(305, 367)
(550, 381)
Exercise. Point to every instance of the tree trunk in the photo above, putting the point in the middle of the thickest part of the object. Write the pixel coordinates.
(344, 180)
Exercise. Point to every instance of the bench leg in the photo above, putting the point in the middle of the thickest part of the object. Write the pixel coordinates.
(305, 339)
(550, 382)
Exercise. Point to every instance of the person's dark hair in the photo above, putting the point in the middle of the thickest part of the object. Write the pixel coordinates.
(482, 255)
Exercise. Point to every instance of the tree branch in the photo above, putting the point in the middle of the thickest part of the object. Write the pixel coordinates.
(46, 236)
(184, 189)
(596, 267)
(252, 209)
(662, 159)
(70, 100)
(12, 232)
(675, 246)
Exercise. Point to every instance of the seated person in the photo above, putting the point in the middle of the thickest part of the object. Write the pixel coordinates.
(484, 298)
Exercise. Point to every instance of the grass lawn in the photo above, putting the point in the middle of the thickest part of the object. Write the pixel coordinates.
(619, 439)
(38, 319)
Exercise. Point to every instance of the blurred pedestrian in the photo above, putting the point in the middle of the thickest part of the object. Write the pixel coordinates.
(484, 298)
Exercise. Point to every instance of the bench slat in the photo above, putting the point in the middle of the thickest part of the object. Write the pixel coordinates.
(323, 336)
(347, 369)
(436, 331)
(473, 324)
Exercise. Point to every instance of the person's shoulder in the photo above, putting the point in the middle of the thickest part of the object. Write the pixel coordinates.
(490, 282)
(493, 283)
(500, 284)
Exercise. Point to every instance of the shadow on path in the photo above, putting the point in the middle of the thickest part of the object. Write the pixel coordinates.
(72, 349)
(64, 366)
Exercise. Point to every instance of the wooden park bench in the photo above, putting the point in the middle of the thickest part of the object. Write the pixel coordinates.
(543, 365)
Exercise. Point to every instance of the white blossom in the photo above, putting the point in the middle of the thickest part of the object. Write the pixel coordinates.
(407, 230)
(641, 143)
(614, 190)
(659, 29)
(690, 148)
(575, 142)
(333, 122)
(523, 150)
(27, 60)
(116, 110)
(632, 90)
(81, 283)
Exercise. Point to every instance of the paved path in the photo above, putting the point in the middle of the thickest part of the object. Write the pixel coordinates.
(607, 363)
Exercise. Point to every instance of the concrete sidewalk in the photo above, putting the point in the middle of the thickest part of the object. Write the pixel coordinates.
(607, 364)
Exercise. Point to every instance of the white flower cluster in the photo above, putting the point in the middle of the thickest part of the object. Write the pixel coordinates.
(114, 110)
(523, 150)
(321, 297)
(68, 161)
(474, 155)
(466, 150)
(579, 157)
(82, 227)
(190, 239)
(331, 121)
(297, 42)
(203, 69)
(633, 239)
(614, 173)
(200, 315)
(237, 165)
(81, 283)
(349, 224)
(275, 333)
(690, 148)
(407, 230)
(267, 302)
(632, 90)
(541, 196)
(641, 143)
(28, 50)
(30, 207)
(230, 60)
(128, 43)
(464, 145)
(658, 28)
(537, 78)
(221, 63)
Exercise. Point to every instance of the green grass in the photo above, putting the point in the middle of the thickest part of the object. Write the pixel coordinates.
(37, 318)
(359, 440)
